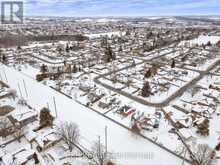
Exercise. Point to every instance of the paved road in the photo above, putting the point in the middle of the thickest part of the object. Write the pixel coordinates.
(179, 92)
(170, 98)
(91, 125)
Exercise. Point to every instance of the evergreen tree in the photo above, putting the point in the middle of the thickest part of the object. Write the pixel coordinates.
(146, 90)
(203, 128)
(127, 33)
(144, 45)
(209, 44)
(64, 62)
(67, 48)
(79, 69)
(147, 73)
(46, 119)
(59, 49)
(120, 49)
(4, 59)
(36, 160)
(173, 65)
(43, 68)
(217, 148)
(74, 68)
(104, 42)
(39, 77)
(218, 44)
(1, 55)
(109, 55)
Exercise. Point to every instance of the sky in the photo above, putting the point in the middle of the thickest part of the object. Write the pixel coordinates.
(120, 7)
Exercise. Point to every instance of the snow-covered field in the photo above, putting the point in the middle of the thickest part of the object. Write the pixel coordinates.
(109, 34)
(201, 40)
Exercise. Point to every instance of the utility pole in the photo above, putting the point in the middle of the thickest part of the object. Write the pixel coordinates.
(99, 151)
(48, 105)
(5, 76)
(1, 77)
(25, 88)
(20, 89)
(192, 156)
(185, 150)
(99, 141)
(106, 140)
(55, 106)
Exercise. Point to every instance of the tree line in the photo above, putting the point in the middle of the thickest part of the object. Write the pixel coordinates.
(10, 40)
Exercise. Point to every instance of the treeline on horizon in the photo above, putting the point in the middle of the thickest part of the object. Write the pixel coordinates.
(11, 40)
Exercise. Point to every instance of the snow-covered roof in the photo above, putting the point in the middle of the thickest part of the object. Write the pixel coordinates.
(23, 156)
(4, 120)
(30, 135)
(24, 114)
(46, 135)
(185, 133)
(7, 159)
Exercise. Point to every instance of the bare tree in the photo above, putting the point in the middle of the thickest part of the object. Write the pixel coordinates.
(135, 128)
(13, 161)
(204, 155)
(129, 82)
(13, 93)
(19, 131)
(69, 132)
(100, 155)
(5, 124)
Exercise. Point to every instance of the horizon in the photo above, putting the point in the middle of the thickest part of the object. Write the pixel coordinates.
(128, 16)
(122, 82)
(117, 8)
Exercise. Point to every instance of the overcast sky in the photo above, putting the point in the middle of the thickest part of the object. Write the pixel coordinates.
(120, 7)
